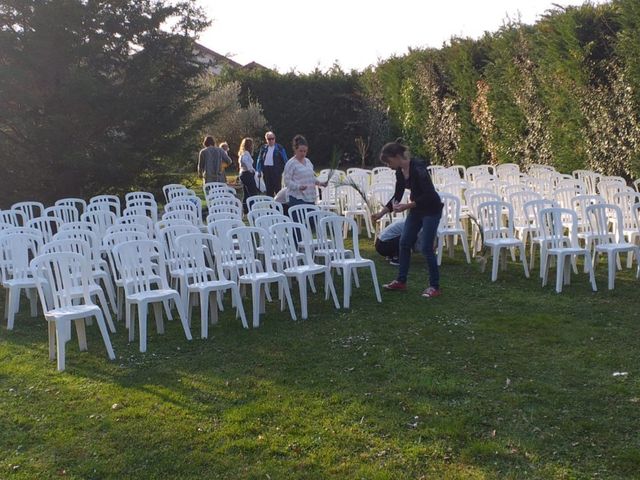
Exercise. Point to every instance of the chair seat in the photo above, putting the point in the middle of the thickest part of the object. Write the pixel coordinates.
(351, 262)
(260, 277)
(72, 312)
(305, 269)
(503, 242)
(616, 247)
(152, 295)
(210, 285)
(566, 250)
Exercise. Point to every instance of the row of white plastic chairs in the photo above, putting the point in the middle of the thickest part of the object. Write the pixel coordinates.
(599, 228)
(15, 275)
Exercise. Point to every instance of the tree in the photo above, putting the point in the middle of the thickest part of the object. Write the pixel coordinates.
(94, 95)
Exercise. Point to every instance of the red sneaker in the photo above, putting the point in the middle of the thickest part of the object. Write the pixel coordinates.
(432, 292)
(395, 285)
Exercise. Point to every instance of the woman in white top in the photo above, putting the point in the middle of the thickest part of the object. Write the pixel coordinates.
(247, 172)
(299, 177)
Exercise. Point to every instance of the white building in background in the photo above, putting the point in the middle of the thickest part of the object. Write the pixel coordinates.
(216, 62)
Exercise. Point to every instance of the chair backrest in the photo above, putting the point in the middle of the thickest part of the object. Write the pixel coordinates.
(553, 222)
(167, 240)
(219, 228)
(14, 217)
(29, 210)
(84, 235)
(518, 200)
(478, 170)
(133, 197)
(191, 258)
(266, 221)
(213, 187)
(492, 219)
(248, 241)
(141, 266)
(143, 222)
(286, 240)
(58, 276)
(270, 204)
(579, 204)
(81, 225)
(474, 201)
(182, 205)
(16, 250)
(102, 219)
(257, 198)
(626, 201)
(330, 234)
(79, 204)
(75, 245)
(187, 215)
(450, 212)
(111, 202)
(298, 213)
(183, 194)
(214, 217)
(64, 213)
(169, 189)
(564, 196)
(599, 216)
(590, 180)
(532, 210)
(254, 214)
(48, 226)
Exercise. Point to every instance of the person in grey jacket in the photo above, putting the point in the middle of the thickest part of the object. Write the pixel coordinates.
(211, 160)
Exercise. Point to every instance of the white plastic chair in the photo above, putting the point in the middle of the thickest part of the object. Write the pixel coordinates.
(14, 217)
(169, 190)
(332, 229)
(64, 213)
(99, 267)
(270, 204)
(609, 242)
(142, 207)
(109, 202)
(59, 277)
(30, 210)
(450, 227)
(145, 282)
(257, 198)
(354, 207)
(565, 248)
(251, 272)
(498, 235)
(139, 222)
(294, 264)
(48, 226)
(214, 217)
(82, 247)
(102, 219)
(134, 197)
(78, 203)
(16, 275)
(203, 280)
(215, 187)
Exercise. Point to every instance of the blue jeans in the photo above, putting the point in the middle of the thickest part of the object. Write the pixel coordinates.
(412, 225)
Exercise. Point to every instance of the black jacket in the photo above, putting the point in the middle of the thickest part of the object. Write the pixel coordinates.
(423, 193)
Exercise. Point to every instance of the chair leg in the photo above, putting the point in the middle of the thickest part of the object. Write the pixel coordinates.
(51, 327)
(587, 265)
(612, 259)
(32, 294)
(157, 313)
(560, 265)
(183, 318)
(105, 337)
(130, 320)
(329, 287)
(255, 298)
(346, 286)
(374, 279)
(235, 292)
(82, 334)
(465, 246)
(302, 287)
(495, 263)
(287, 294)
(105, 309)
(14, 305)
(523, 258)
(61, 339)
(142, 325)
(204, 314)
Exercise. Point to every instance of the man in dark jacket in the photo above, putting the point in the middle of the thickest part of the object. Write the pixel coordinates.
(272, 158)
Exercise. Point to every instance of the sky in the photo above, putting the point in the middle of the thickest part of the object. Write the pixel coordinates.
(302, 35)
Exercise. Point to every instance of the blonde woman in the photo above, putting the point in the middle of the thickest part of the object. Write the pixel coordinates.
(247, 172)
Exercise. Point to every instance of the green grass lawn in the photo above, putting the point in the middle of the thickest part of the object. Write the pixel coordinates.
(491, 380)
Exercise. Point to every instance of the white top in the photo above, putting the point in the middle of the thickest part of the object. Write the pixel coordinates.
(246, 162)
(297, 174)
(268, 158)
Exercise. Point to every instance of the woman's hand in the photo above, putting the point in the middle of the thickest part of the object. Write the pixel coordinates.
(303, 188)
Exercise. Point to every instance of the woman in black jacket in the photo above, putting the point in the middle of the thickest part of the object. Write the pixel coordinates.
(425, 210)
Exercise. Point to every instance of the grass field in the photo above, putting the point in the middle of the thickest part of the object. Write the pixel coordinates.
(491, 380)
